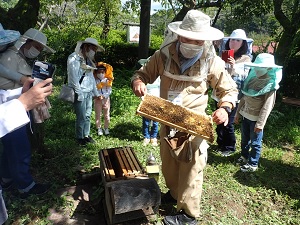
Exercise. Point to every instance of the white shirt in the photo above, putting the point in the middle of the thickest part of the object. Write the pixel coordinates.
(12, 112)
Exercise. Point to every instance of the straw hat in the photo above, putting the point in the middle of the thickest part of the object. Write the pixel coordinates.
(239, 34)
(92, 41)
(265, 60)
(8, 36)
(34, 35)
(196, 26)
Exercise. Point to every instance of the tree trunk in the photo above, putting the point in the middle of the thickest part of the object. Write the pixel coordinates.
(144, 29)
(22, 17)
(106, 27)
(290, 26)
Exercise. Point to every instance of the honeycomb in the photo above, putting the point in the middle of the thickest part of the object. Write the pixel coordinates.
(184, 119)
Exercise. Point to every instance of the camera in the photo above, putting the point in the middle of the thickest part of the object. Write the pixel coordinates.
(42, 71)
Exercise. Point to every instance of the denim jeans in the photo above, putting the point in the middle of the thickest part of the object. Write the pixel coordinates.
(147, 131)
(252, 140)
(83, 111)
(16, 156)
(226, 137)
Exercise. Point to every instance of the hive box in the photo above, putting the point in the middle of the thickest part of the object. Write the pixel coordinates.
(129, 192)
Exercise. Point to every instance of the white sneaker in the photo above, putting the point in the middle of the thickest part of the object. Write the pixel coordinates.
(100, 132)
(146, 141)
(106, 131)
(154, 142)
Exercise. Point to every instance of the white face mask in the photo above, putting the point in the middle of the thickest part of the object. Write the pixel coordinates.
(31, 53)
(260, 71)
(91, 54)
(100, 75)
(189, 50)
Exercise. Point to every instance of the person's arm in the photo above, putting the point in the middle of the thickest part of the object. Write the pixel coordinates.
(237, 114)
(146, 74)
(5, 71)
(73, 68)
(266, 109)
(13, 114)
(95, 90)
(225, 90)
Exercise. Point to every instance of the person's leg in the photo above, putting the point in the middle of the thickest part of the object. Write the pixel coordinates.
(170, 167)
(256, 145)
(106, 112)
(229, 139)
(219, 131)
(79, 107)
(17, 152)
(154, 129)
(97, 106)
(245, 142)
(88, 112)
(145, 128)
(191, 179)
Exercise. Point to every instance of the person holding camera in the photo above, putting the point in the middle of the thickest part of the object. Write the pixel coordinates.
(16, 71)
(240, 46)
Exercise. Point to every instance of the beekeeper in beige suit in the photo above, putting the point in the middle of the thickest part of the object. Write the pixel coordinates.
(188, 67)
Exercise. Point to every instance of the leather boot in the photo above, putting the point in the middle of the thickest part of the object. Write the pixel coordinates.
(180, 219)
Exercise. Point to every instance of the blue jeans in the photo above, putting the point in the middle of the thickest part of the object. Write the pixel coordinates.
(147, 131)
(83, 111)
(15, 160)
(226, 137)
(252, 140)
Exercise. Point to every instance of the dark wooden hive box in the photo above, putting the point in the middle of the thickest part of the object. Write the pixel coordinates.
(129, 192)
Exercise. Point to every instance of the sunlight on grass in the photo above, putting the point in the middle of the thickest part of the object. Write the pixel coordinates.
(269, 196)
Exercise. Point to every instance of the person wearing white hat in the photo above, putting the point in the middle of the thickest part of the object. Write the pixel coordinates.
(255, 107)
(80, 66)
(16, 157)
(17, 101)
(28, 46)
(188, 66)
(238, 43)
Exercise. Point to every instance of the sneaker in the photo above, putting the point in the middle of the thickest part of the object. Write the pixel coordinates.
(146, 141)
(227, 153)
(100, 132)
(241, 161)
(89, 139)
(154, 142)
(37, 189)
(106, 131)
(180, 219)
(6, 185)
(248, 168)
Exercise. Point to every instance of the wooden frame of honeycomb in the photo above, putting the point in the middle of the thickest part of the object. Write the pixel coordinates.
(176, 116)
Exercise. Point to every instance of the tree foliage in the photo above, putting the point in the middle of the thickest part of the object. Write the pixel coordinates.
(275, 21)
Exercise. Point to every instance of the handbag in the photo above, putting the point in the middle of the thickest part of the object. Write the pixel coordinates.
(67, 93)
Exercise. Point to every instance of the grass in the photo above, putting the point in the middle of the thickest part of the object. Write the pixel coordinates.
(269, 196)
